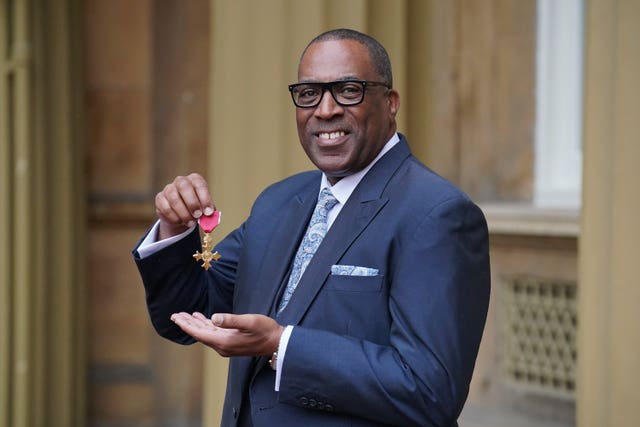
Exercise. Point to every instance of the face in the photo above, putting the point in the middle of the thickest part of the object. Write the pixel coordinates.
(341, 140)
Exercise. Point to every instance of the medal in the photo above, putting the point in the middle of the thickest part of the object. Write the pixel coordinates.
(208, 224)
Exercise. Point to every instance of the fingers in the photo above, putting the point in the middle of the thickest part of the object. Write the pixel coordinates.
(202, 329)
(181, 203)
(201, 190)
(193, 322)
(200, 317)
(199, 327)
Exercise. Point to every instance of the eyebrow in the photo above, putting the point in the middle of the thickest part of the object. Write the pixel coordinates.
(341, 79)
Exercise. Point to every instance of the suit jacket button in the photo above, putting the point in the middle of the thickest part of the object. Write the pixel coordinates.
(312, 403)
(304, 401)
(328, 408)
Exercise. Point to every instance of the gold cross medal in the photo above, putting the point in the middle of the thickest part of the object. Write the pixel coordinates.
(207, 224)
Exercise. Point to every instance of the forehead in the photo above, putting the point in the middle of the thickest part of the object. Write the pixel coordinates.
(334, 60)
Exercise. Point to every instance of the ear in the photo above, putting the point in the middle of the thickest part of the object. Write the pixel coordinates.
(393, 102)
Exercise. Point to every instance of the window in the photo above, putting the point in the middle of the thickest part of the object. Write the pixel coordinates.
(559, 79)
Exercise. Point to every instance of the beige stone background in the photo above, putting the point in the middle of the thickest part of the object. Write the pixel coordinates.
(105, 101)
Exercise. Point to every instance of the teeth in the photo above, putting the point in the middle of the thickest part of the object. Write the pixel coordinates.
(331, 135)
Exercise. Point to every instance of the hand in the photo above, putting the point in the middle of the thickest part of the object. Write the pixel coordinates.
(181, 203)
(233, 334)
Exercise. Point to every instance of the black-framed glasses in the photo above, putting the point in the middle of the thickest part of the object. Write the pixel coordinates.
(345, 92)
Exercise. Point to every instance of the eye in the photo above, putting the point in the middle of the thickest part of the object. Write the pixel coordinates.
(308, 92)
(349, 90)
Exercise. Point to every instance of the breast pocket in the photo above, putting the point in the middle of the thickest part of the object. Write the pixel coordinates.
(355, 283)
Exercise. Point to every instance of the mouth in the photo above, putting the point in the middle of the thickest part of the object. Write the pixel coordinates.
(331, 137)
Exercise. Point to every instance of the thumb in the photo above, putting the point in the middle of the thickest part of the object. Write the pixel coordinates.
(218, 319)
(241, 322)
(230, 321)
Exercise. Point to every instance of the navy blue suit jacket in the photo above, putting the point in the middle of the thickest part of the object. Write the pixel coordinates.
(397, 348)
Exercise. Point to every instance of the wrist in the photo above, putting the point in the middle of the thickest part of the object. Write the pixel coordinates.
(273, 361)
(166, 230)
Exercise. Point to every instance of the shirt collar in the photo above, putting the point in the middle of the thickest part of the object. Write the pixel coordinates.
(342, 189)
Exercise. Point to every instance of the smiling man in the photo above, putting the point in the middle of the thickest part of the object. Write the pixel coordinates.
(354, 295)
(343, 133)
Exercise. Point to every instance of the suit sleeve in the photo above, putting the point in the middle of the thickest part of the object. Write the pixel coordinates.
(438, 300)
(174, 282)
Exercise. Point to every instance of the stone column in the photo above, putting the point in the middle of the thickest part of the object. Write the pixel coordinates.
(609, 299)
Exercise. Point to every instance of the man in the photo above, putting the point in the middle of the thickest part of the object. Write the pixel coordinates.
(383, 325)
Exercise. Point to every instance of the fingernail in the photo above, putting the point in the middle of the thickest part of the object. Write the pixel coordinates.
(208, 211)
(217, 319)
(197, 214)
(191, 224)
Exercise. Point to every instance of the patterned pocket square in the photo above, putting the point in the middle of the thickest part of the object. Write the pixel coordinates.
(353, 270)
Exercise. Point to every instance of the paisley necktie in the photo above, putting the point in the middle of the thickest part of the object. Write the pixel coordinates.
(312, 238)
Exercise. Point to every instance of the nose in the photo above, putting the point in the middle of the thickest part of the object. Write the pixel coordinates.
(328, 107)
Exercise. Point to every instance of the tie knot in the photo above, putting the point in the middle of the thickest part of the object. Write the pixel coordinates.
(327, 199)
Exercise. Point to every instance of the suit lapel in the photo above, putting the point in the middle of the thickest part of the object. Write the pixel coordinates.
(282, 247)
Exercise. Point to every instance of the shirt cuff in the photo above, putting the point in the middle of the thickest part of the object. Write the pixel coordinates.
(150, 245)
(282, 348)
